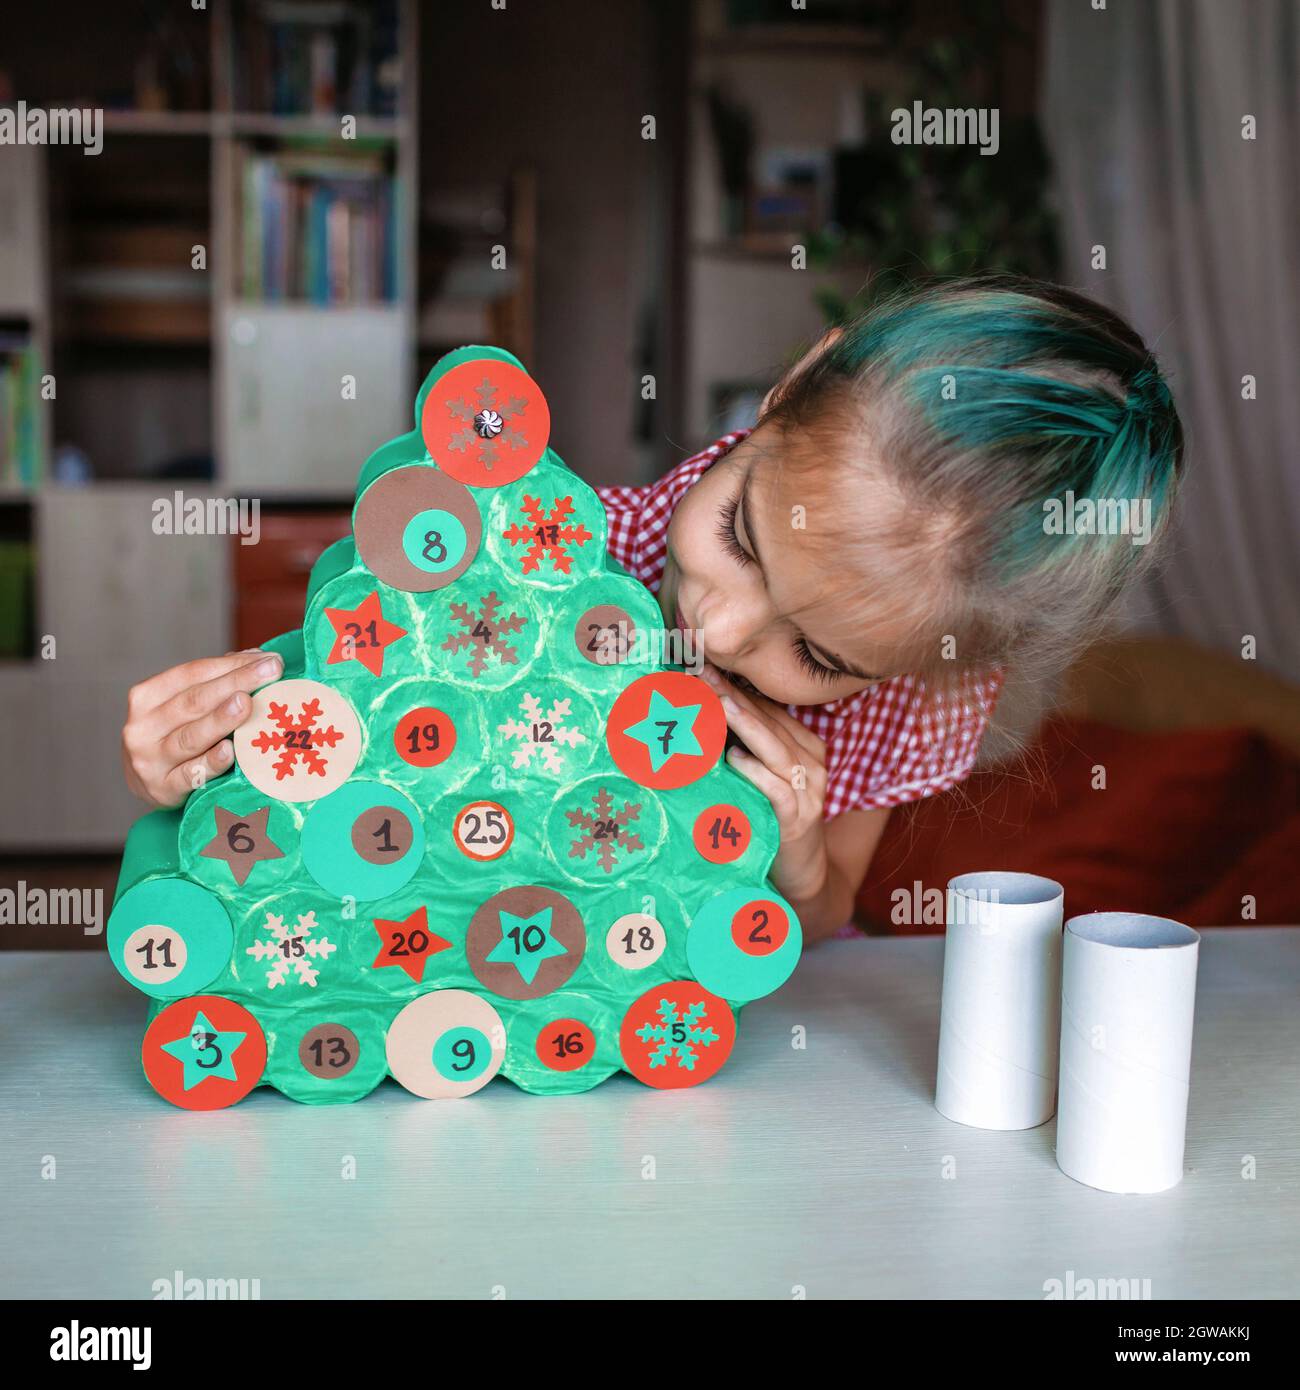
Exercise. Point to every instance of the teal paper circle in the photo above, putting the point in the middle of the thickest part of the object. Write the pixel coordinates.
(193, 913)
(445, 1059)
(721, 966)
(448, 548)
(327, 848)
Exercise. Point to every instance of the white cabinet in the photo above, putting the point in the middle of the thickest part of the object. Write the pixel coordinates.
(121, 603)
(307, 394)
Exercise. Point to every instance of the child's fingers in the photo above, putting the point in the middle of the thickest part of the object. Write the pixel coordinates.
(795, 728)
(199, 701)
(761, 738)
(152, 693)
(777, 790)
(811, 744)
(190, 776)
(770, 739)
(189, 740)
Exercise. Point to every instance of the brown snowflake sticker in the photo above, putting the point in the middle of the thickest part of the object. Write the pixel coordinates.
(605, 832)
(483, 634)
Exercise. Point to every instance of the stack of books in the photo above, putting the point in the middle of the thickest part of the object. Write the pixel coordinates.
(317, 227)
(20, 411)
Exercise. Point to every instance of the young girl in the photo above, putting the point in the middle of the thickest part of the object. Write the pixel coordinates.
(863, 566)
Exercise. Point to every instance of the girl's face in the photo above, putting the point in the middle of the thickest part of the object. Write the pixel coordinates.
(736, 566)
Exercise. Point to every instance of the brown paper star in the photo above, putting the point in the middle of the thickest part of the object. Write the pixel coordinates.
(241, 841)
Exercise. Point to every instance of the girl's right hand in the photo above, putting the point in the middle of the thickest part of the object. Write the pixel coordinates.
(174, 738)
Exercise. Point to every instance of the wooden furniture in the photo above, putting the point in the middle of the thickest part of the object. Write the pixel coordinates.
(1162, 684)
(160, 358)
(821, 1167)
(270, 578)
(748, 307)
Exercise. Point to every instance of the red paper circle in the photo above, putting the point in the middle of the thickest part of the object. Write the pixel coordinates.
(483, 830)
(632, 758)
(691, 1057)
(414, 742)
(567, 1044)
(166, 1072)
(760, 928)
(485, 422)
(722, 833)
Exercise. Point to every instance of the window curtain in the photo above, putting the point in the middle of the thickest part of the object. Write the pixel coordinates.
(1143, 105)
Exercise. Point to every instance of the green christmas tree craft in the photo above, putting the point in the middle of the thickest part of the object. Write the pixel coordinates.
(477, 827)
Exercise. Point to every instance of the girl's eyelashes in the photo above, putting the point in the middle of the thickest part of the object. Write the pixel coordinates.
(731, 543)
(727, 532)
(810, 663)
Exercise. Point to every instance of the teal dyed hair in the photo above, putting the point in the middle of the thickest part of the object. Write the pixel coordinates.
(980, 401)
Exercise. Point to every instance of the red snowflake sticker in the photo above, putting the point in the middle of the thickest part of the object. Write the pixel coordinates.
(483, 634)
(301, 741)
(548, 535)
(485, 423)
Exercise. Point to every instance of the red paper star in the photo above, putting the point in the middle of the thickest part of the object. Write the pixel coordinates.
(408, 944)
(361, 634)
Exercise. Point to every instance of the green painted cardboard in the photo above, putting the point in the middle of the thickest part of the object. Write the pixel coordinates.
(599, 871)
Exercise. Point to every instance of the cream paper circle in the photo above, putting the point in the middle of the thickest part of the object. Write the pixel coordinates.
(415, 1034)
(304, 749)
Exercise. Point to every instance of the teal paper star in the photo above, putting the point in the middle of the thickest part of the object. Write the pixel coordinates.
(204, 1052)
(526, 942)
(667, 729)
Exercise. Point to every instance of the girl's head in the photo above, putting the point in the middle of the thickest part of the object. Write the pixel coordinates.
(966, 475)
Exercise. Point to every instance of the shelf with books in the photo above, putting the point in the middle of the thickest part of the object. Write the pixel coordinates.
(22, 419)
(206, 124)
(314, 226)
(317, 57)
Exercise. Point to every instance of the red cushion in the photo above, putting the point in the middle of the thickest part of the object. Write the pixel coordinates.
(1186, 825)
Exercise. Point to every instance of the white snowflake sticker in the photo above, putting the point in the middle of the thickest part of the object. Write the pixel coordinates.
(545, 734)
(294, 946)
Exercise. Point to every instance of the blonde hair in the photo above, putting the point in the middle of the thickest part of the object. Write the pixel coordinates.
(992, 406)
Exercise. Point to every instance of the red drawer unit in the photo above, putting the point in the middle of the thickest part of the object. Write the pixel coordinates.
(271, 576)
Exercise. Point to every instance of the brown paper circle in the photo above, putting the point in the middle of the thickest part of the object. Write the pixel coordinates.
(369, 843)
(339, 1050)
(390, 502)
(501, 977)
(605, 634)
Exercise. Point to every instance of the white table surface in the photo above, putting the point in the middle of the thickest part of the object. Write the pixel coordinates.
(825, 1170)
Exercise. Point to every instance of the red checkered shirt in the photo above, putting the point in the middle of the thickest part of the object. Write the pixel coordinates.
(886, 745)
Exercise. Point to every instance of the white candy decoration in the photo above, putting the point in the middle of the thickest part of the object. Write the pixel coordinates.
(488, 423)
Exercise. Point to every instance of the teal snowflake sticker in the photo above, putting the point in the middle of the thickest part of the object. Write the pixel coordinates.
(678, 1036)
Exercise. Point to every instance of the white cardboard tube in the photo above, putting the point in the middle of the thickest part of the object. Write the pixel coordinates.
(1000, 1019)
(1128, 993)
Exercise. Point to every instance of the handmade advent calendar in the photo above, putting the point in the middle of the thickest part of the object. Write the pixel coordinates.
(478, 827)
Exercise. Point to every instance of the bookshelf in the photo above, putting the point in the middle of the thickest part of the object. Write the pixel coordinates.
(24, 319)
(188, 377)
(332, 293)
(797, 80)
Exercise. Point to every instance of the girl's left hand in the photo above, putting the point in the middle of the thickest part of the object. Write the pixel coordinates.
(787, 762)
